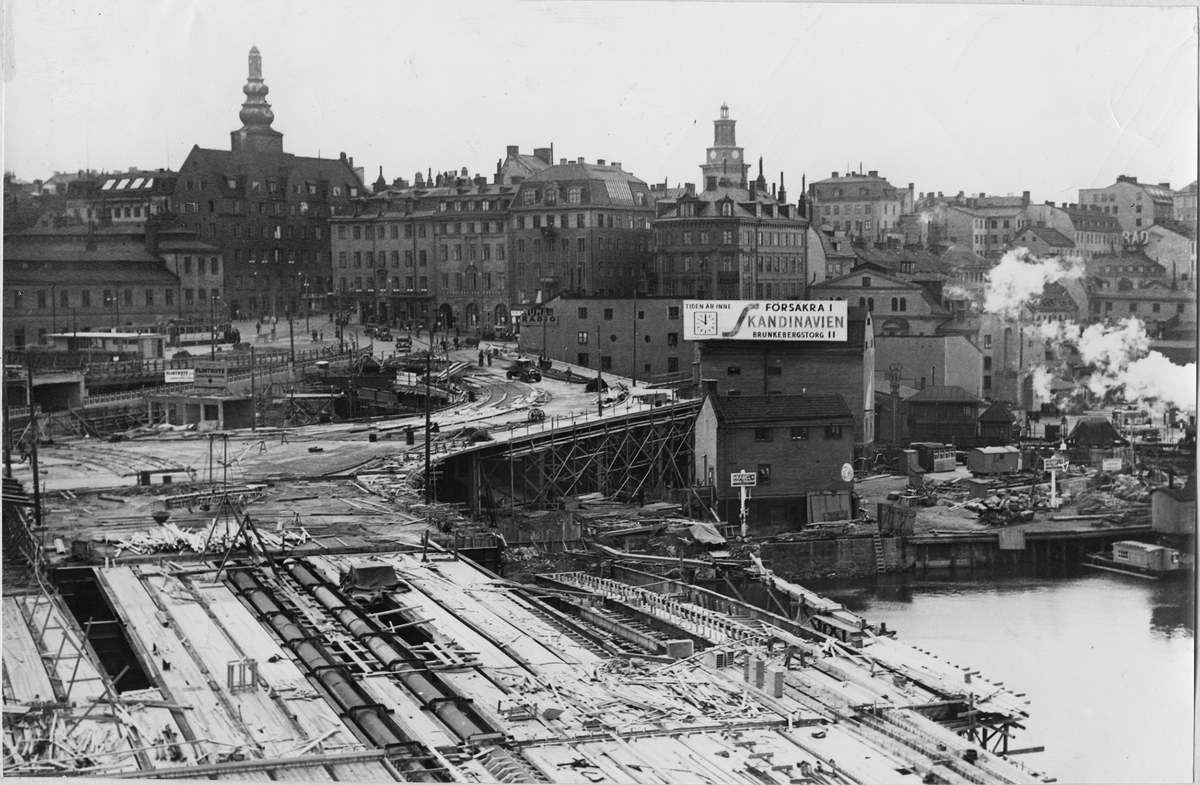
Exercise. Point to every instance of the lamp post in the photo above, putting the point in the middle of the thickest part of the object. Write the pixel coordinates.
(428, 413)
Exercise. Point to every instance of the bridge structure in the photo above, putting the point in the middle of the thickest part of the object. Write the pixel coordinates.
(643, 453)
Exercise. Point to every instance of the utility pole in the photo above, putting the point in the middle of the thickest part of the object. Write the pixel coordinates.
(428, 424)
(633, 374)
(599, 375)
(33, 449)
(253, 399)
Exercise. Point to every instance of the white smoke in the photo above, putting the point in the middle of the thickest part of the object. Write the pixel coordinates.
(1020, 277)
(1156, 377)
(1041, 383)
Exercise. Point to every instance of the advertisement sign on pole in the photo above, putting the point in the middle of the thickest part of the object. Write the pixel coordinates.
(743, 479)
(180, 376)
(764, 320)
(211, 376)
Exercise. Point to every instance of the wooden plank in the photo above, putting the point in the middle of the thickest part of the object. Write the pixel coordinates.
(171, 664)
(23, 667)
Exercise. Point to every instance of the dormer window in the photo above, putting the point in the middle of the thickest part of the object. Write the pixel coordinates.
(866, 281)
(727, 209)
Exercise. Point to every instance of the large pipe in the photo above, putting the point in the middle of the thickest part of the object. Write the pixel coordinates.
(430, 689)
(370, 718)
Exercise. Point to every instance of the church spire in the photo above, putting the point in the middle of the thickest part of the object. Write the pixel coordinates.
(256, 133)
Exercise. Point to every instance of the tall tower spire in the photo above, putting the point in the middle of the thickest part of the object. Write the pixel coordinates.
(256, 134)
(725, 165)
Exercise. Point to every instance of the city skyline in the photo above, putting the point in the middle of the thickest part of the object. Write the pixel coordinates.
(972, 98)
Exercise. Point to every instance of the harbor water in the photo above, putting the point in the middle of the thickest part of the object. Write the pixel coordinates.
(1105, 660)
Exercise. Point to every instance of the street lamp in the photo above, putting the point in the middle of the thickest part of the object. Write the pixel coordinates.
(212, 324)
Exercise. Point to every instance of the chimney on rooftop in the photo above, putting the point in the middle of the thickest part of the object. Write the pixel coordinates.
(616, 164)
(835, 174)
(599, 162)
(513, 150)
(544, 154)
(580, 160)
(873, 173)
(689, 188)
(1165, 185)
(562, 161)
(1025, 197)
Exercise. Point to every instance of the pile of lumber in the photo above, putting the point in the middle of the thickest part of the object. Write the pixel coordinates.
(217, 537)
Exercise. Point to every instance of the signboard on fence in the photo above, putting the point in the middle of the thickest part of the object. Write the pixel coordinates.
(1111, 465)
(764, 320)
(180, 376)
(1056, 464)
(743, 479)
(212, 376)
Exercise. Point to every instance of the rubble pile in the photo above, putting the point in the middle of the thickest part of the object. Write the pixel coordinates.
(219, 536)
(1007, 506)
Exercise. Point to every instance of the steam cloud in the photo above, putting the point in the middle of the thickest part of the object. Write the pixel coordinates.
(1019, 278)
(1119, 354)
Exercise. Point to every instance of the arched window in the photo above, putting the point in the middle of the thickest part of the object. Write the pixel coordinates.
(903, 304)
(895, 303)
(862, 302)
(871, 304)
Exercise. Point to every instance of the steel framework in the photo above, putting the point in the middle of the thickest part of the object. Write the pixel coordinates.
(640, 455)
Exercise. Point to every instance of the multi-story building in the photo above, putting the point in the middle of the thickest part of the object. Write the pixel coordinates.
(801, 367)
(940, 359)
(639, 338)
(267, 210)
(76, 280)
(129, 197)
(898, 307)
(733, 239)
(796, 445)
(578, 227)
(1185, 206)
(1168, 311)
(985, 224)
(1091, 230)
(1173, 245)
(409, 253)
(865, 207)
(1136, 205)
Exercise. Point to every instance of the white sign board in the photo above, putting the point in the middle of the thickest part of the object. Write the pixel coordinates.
(1111, 465)
(764, 320)
(743, 479)
(1056, 464)
(847, 472)
(180, 376)
(211, 376)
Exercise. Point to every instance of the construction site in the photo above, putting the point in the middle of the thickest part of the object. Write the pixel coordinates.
(527, 586)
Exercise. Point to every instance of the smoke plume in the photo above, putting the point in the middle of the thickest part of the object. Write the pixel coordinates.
(1019, 278)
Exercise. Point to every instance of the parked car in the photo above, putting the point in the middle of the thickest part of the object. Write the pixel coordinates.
(524, 370)
(403, 342)
(383, 334)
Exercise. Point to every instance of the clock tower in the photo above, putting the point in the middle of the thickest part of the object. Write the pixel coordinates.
(725, 163)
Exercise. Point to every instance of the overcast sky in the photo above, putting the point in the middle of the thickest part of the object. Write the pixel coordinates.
(999, 99)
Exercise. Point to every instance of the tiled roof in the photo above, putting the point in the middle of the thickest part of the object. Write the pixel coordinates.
(1178, 227)
(1093, 221)
(106, 251)
(943, 394)
(619, 185)
(224, 163)
(97, 272)
(779, 408)
(1051, 237)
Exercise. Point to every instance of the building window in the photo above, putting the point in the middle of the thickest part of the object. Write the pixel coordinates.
(775, 370)
(673, 312)
(762, 434)
(866, 281)
(903, 304)
(64, 299)
(799, 434)
(764, 474)
(582, 313)
(833, 431)
(672, 365)
(987, 363)
(582, 357)
(608, 314)
(734, 370)
(987, 342)
(41, 298)
(605, 362)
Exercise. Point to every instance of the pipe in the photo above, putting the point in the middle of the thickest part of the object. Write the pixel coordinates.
(427, 687)
(370, 718)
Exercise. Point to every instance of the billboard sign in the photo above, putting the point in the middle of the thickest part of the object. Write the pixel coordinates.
(180, 376)
(764, 320)
(743, 479)
(212, 376)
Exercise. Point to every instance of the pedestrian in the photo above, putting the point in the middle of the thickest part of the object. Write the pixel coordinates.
(258, 327)
(481, 358)
(456, 343)
(321, 335)
(491, 354)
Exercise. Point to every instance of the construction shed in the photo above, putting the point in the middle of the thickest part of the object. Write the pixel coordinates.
(994, 460)
(1173, 510)
(1140, 555)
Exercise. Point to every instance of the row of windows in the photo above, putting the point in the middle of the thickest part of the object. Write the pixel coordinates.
(606, 363)
(110, 298)
(1133, 307)
(582, 337)
(463, 282)
(264, 231)
(277, 255)
(271, 186)
(213, 266)
(858, 209)
(234, 206)
(473, 253)
(311, 286)
(470, 206)
(796, 433)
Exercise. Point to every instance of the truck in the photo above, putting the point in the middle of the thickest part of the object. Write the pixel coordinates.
(524, 370)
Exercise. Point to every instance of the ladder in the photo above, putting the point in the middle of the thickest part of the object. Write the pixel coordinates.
(878, 542)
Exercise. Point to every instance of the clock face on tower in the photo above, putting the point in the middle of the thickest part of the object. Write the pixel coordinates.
(736, 155)
(705, 323)
(712, 155)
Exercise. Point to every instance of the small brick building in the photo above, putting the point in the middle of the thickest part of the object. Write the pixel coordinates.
(796, 444)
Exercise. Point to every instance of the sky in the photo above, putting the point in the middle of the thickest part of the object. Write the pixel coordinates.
(996, 99)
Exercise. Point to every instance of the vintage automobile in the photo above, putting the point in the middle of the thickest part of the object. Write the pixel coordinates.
(524, 370)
